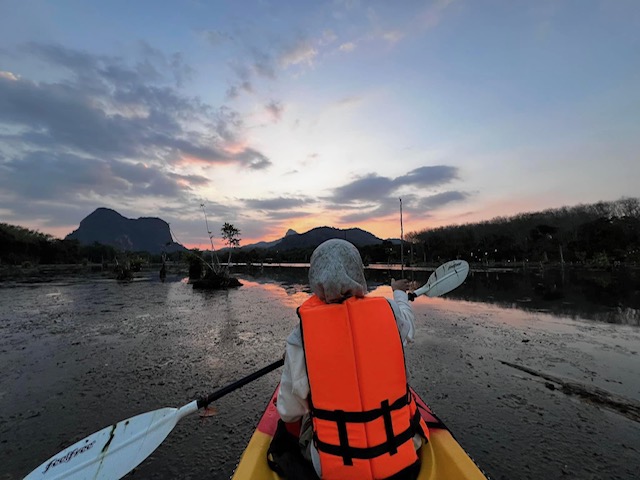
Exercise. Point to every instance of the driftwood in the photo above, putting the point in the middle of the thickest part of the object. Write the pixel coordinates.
(628, 407)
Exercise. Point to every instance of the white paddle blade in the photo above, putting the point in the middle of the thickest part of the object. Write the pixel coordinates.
(445, 278)
(114, 451)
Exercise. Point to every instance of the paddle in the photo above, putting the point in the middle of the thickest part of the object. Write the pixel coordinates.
(116, 450)
(445, 278)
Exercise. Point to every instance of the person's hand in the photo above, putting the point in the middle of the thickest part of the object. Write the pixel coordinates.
(402, 284)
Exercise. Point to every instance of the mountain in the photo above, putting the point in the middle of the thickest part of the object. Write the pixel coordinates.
(316, 236)
(266, 245)
(108, 227)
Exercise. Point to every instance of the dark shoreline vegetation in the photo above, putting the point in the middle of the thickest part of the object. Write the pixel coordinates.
(601, 235)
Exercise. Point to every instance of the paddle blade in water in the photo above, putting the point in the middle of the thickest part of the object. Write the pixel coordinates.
(113, 451)
(445, 278)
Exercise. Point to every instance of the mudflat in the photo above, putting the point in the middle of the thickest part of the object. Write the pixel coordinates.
(80, 353)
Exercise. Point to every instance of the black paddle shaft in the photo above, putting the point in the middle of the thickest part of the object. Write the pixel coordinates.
(203, 402)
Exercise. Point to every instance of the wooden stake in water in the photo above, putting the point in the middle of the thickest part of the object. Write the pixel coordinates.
(401, 242)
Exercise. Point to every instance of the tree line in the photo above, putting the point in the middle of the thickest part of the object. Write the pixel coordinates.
(20, 246)
(599, 234)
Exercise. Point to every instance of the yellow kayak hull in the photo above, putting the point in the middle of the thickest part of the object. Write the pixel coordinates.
(442, 458)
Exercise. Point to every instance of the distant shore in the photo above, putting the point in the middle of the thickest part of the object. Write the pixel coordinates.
(29, 271)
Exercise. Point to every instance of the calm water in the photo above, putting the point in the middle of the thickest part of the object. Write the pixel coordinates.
(79, 353)
(604, 296)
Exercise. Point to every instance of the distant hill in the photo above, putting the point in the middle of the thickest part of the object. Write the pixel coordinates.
(314, 237)
(108, 227)
(266, 245)
(150, 234)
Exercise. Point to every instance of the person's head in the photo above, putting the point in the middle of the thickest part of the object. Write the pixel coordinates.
(336, 271)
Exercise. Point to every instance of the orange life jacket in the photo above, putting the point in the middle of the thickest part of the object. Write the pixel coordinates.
(364, 416)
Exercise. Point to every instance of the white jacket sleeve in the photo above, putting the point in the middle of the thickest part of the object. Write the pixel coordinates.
(292, 401)
(405, 318)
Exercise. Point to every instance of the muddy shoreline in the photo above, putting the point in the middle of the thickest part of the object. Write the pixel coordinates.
(77, 354)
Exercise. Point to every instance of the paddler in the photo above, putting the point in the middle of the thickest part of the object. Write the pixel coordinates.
(345, 378)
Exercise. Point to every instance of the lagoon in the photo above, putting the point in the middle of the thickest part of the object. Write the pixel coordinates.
(80, 352)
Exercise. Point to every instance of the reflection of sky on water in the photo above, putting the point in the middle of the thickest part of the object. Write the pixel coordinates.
(609, 297)
(291, 295)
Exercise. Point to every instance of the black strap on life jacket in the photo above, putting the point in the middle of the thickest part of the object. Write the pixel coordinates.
(348, 452)
(361, 417)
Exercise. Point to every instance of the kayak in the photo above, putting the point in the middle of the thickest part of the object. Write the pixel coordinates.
(442, 458)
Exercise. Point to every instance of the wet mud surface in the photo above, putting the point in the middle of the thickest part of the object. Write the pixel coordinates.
(78, 354)
(511, 422)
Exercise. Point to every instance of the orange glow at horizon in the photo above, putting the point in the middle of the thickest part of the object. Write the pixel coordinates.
(384, 227)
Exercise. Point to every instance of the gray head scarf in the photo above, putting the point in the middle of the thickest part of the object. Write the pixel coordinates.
(336, 271)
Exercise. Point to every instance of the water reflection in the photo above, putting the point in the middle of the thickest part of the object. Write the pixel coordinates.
(604, 296)
(294, 278)
(612, 297)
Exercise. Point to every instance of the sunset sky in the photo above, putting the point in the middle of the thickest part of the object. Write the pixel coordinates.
(297, 114)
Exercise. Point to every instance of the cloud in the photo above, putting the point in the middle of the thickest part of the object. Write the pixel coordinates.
(195, 180)
(433, 15)
(8, 75)
(347, 47)
(350, 100)
(43, 175)
(275, 109)
(287, 214)
(157, 61)
(414, 204)
(440, 199)
(112, 131)
(48, 213)
(216, 37)
(278, 208)
(108, 109)
(388, 206)
(374, 196)
(328, 36)
(234, 91)
(428, 176)
(393, 36)
(276, 203)
(369, 187)
(263, 63)
(373, 187)
(270, 59)
(302, 52)
(253, 159)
